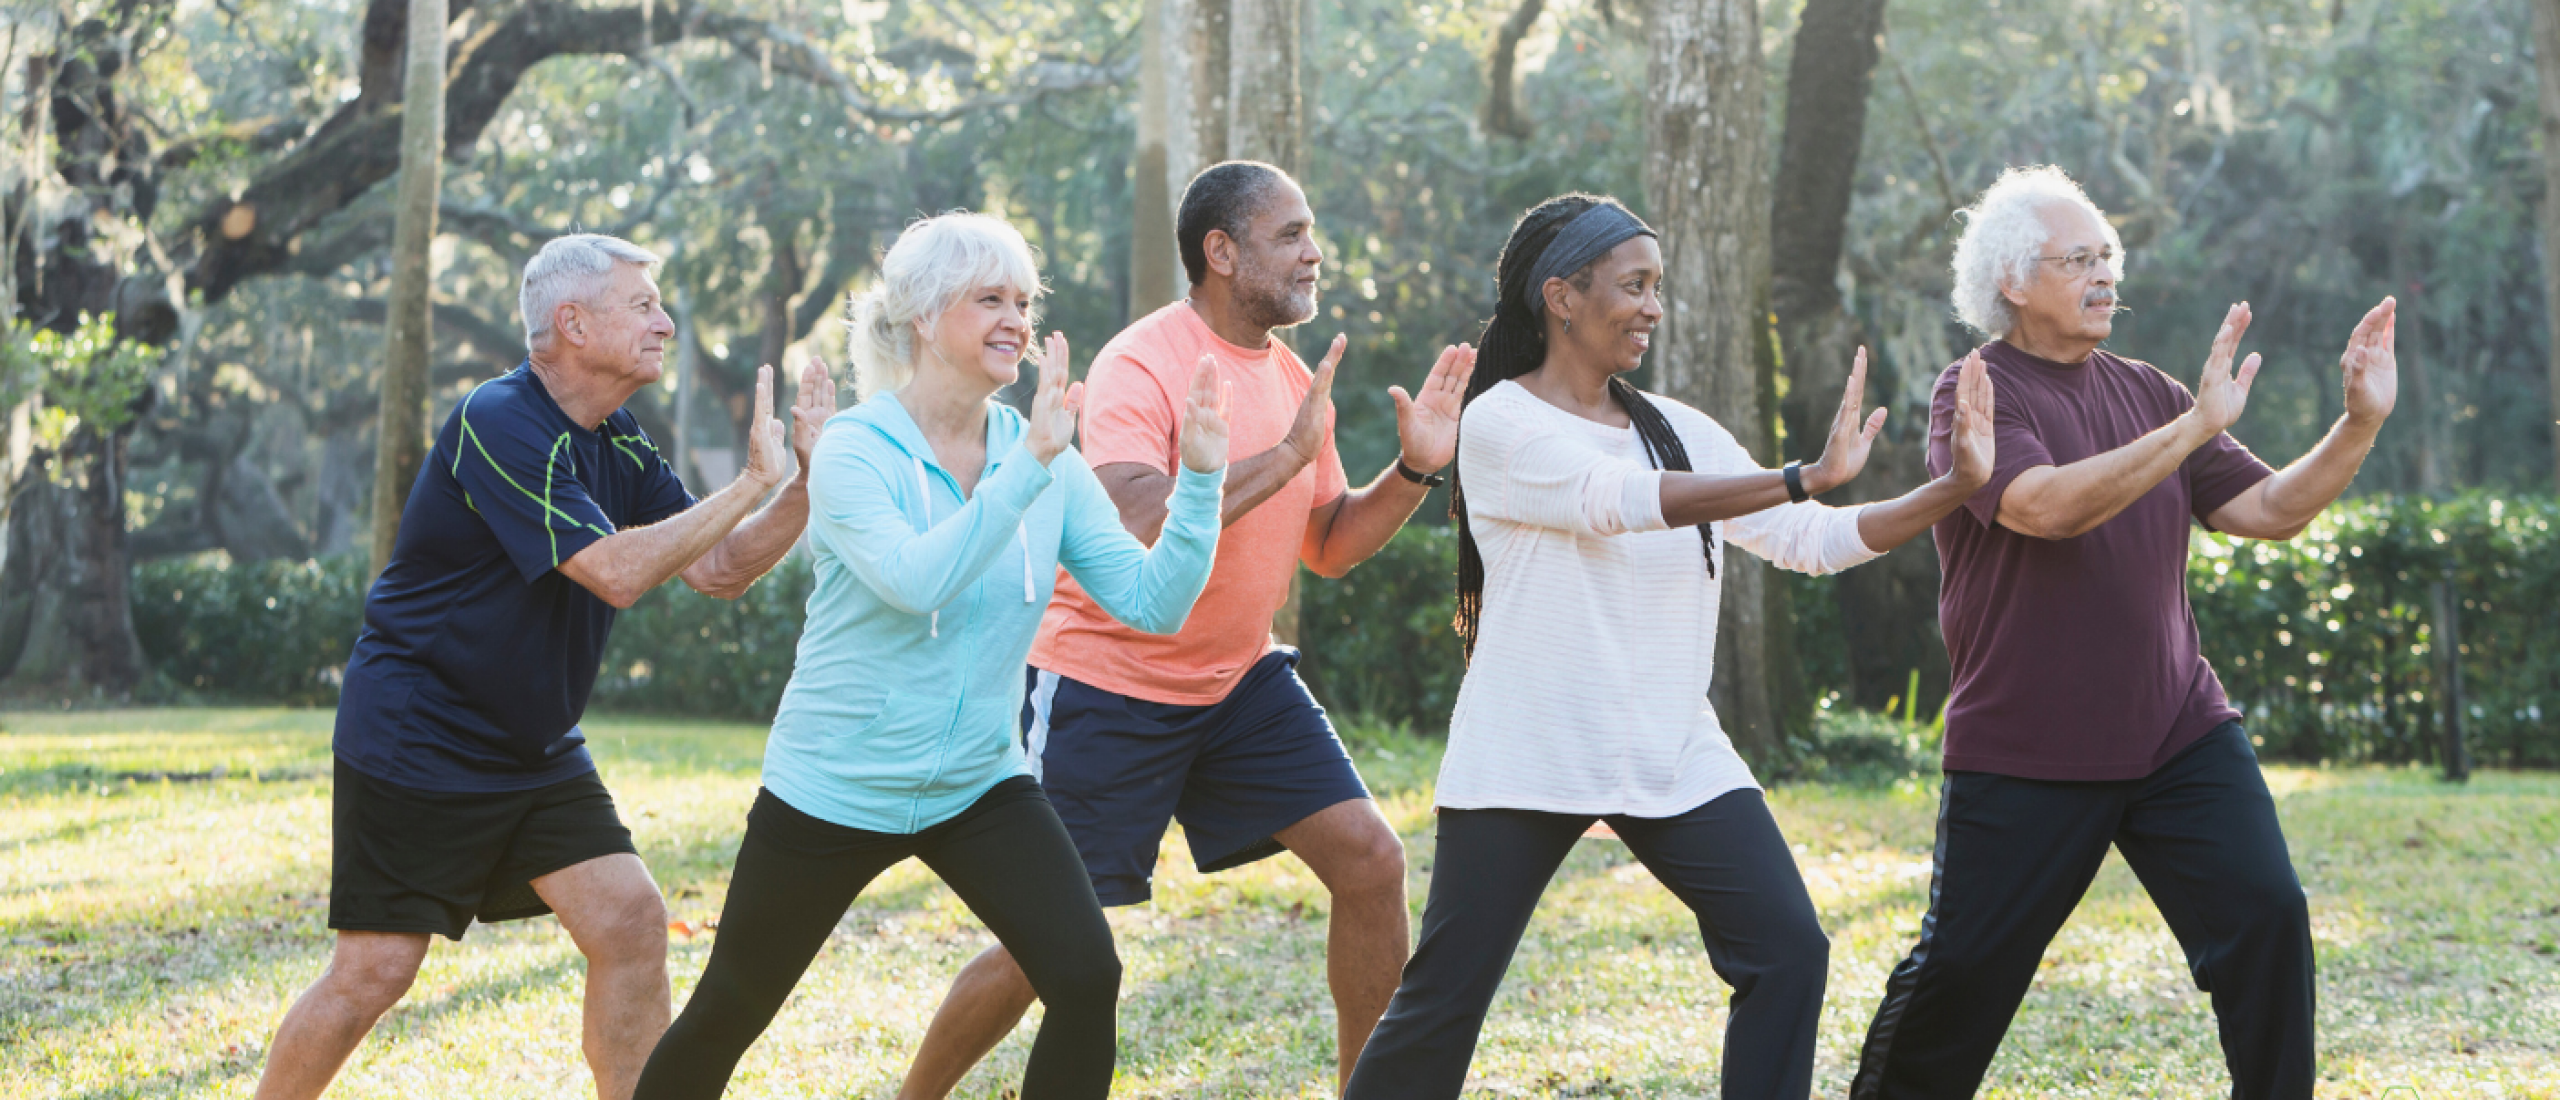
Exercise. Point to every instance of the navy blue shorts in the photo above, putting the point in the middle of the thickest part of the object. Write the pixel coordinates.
(1233, 772)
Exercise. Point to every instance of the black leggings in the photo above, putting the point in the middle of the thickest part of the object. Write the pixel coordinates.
(1010, 862)
(1725, 859)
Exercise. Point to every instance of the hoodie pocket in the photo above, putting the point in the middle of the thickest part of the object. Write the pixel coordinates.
(897, 746)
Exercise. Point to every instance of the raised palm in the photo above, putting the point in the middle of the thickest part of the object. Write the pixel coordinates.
(2221, 393)
(2372, 364)
(1853, 432)
(1054, 405)
(1427, 423)
(1974, 453)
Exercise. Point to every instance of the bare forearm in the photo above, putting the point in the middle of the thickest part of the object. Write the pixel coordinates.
(2059, 502)
(2298, 492)
(1890, 523)
(759, 543)
(1368, 518)
(1142, 494)
(1691, 499)
(624, 565)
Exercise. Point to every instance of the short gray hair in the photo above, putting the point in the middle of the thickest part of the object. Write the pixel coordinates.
(571, 269)
(2004, 233)
(933, 263)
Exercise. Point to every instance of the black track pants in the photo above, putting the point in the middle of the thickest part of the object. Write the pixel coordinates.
(1010, 862)
(1725, 859)
(2014, 857)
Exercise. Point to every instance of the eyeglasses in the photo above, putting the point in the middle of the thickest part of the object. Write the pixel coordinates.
(2081, 261)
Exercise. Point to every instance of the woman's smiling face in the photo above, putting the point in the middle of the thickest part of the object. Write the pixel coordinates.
(1614, 305)
(983, 335)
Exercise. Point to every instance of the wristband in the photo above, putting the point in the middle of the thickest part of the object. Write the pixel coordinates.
(1794, 472)
(1427, 481)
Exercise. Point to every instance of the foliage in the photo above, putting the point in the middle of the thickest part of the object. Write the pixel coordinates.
(265, 632)
(85, 377)
(2325, 641)
(2329, 641)
(170, 874)
(1864, 748)
(275, 632)
(678, 651)
(1379, 643)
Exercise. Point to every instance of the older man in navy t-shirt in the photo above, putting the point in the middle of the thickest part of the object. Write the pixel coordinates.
(464, 790)
(2083, 713)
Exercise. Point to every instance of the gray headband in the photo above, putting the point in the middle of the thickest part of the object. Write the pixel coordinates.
(1589, 236)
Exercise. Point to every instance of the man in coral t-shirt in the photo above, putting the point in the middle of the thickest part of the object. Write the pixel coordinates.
(1211, 726)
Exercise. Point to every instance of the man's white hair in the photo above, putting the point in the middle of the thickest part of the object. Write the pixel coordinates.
(571, 269)
(2004, 233)
(933, 263)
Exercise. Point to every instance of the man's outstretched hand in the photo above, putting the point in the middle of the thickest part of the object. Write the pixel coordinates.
(1427, 422)
(2372, 365)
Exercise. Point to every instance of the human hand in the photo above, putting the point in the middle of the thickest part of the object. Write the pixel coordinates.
(1853, 432)
(1054, 405)
(811, 405)
(1204, 419)
(2222, 393)
(765, 450)
(1427, 424)
(1315, 411)
(2372, 365)
(1974, 454)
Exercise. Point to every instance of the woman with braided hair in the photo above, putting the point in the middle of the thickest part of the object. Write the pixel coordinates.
(1589, 620)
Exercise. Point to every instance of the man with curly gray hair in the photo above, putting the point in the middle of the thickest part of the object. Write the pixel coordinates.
(2083, 713)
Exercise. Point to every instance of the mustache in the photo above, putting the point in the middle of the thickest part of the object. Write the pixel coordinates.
(2101, 298)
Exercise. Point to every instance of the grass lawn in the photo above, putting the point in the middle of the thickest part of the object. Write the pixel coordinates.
(164, 877)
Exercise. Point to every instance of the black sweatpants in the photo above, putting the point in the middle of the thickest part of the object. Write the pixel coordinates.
(2014, 857)
(1726, 859)
(1010, 862)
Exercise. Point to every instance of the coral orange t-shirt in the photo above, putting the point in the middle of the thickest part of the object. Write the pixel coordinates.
(1133, 413)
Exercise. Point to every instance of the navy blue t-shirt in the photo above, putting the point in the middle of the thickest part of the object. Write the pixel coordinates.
(477, 652)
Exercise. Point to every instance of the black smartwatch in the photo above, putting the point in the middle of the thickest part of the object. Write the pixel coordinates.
(1427, 481)
(1794, 472)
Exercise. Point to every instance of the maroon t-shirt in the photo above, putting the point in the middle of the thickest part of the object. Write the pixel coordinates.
(2077, 658)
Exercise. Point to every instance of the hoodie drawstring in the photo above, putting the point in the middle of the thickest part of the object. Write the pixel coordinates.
(924, 492)
(1030, 580)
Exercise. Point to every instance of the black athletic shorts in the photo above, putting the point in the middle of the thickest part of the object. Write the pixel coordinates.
(406, 860)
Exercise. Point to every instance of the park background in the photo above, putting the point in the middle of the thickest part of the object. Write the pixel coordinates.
(217, 284)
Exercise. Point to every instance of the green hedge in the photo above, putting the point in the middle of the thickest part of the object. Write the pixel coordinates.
(268, 632)
(2324, 641)
(1379, 644)
(2327, 641)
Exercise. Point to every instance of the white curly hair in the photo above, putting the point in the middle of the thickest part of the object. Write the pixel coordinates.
(2004, 232)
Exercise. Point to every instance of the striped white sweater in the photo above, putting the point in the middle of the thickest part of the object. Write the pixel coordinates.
(1588, 690)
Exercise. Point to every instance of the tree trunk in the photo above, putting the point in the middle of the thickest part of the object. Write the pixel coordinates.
(2546, 51)
(1263, 108)
(1887, 609)
(1154, 262)
(1706, 180)
(1196, 42)
(401, 440)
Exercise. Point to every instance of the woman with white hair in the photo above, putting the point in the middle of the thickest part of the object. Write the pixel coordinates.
(939, 520)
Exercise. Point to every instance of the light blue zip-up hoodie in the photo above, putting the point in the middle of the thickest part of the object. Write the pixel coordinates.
(905, 697)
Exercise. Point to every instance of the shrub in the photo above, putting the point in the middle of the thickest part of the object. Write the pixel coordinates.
(2325, 641)
(251, 632)
(1379, 645)
(2328, 641)
(678, 651)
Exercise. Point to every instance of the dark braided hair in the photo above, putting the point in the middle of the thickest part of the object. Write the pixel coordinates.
(1515, 343)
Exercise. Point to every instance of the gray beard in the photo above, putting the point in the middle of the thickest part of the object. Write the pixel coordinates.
(1273, 302)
